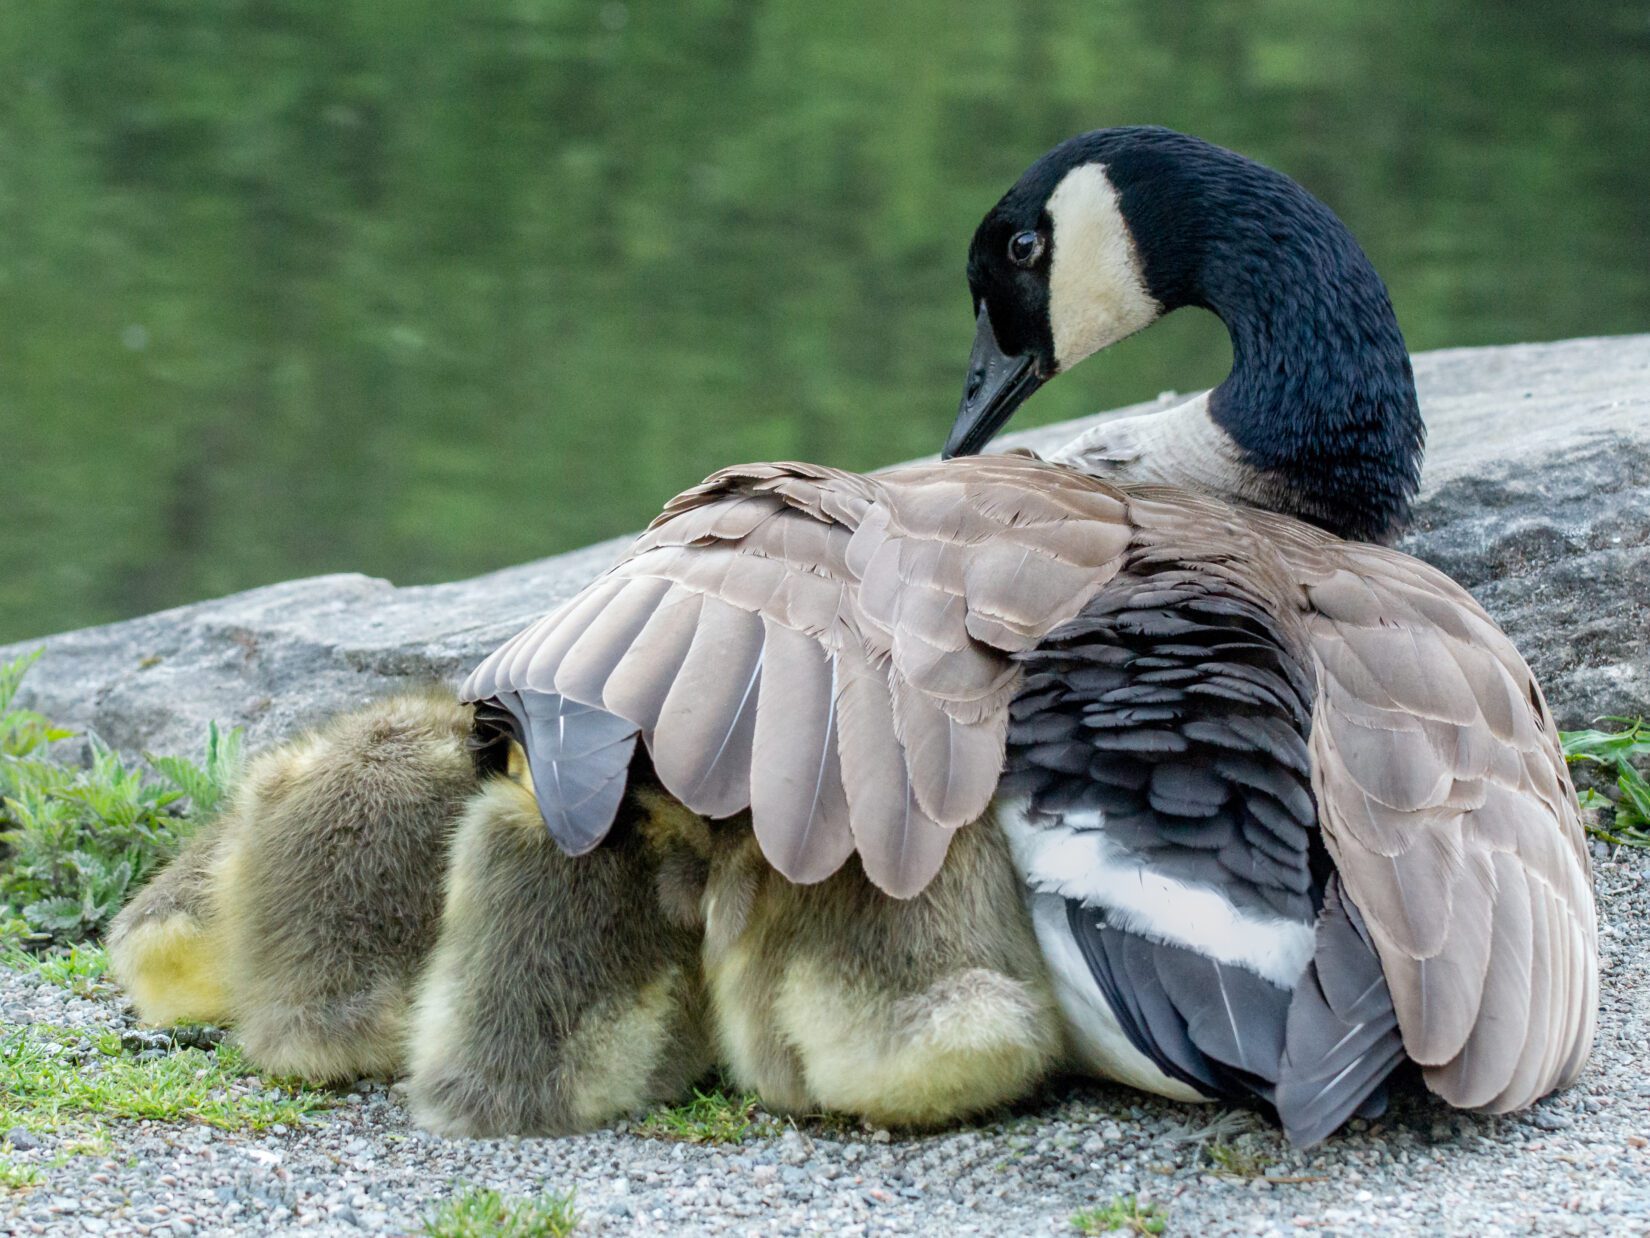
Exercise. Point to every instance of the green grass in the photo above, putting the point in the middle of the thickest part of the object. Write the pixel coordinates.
(1235, 1160)
(17, 1177)
(1607, 764)
(710, 1117)
(75, 841)
(59, 1079)
(480, 1213)
(1123, 1213)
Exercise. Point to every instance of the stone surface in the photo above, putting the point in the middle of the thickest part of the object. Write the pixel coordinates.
(1536, 496)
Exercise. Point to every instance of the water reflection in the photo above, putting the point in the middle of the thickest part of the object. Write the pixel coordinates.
(290, 286)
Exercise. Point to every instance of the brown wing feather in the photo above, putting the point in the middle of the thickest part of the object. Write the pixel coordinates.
(591, 659)
(899, 844)
(798, 805)
(701, 744)
(637, 688)
(953, 765)
(1483, 1069)
(1447, 809)
(534, 664)
(899, 596)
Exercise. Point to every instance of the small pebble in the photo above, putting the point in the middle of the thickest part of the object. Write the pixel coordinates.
(23, 1140)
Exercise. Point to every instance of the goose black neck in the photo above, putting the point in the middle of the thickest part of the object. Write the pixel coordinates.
(1321, 396)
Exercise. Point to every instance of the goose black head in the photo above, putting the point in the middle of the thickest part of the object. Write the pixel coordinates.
(1111, 230)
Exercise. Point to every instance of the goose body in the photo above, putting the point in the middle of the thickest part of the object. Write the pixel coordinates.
(1238, 751)
(1286, 809)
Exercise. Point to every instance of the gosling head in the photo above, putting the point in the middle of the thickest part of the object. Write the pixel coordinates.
(1111, 230)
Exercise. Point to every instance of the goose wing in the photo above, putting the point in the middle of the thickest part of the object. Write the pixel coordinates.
(830, 650)
(1446, 805)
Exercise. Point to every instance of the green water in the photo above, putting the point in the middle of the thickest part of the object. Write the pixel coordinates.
(422, 289)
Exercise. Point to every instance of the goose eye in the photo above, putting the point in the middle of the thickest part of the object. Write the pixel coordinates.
(1024, 248)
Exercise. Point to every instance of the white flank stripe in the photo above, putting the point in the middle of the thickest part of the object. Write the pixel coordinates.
(1084, 864)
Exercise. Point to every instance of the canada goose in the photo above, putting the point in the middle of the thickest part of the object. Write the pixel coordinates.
(1432, 823)
(903, 1012)
(163, 948)
(561, 993)
(302, 915)
(329, 893)
(1288, 809)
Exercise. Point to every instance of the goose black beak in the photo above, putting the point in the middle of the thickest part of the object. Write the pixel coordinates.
(997, 385)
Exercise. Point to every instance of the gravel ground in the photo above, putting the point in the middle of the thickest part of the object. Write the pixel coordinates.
(1577, 1163)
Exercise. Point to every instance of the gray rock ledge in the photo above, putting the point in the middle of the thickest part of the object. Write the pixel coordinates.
(1536, 497)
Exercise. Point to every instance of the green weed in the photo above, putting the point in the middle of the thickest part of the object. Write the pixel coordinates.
(479, 1213)
(79, 969)
(1123, 1212)
(710, 1117)
(22, 730)
(1233, 1160)
(14, 1177)
(75, 842)
(1612, 783)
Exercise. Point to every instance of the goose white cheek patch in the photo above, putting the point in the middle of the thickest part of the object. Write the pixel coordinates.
(1096, 294)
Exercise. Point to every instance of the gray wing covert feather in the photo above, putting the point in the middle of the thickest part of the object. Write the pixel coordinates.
(579, 757)
(827, 649)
